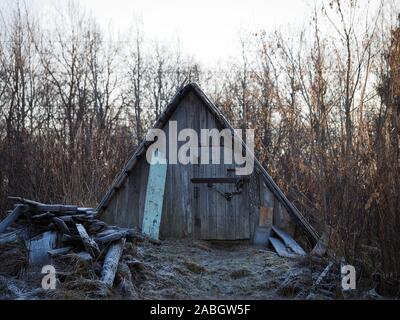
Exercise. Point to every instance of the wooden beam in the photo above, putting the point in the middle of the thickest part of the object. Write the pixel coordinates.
(263, 230)
(280, 248)
(38, 206)
(154, 196)
(59, 251)
(55, 208)
(15, 214)
(217, 180)
(25, 201)
(61, 225)
(323, 274)
(111, 262)
(90, 245)
(12, 236)
(289, 241)
(116, 235)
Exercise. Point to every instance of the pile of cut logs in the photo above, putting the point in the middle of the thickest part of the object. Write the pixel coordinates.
(50, 231)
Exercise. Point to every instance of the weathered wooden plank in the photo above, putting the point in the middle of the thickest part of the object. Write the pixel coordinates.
(226, 230)
(25, 201)
(244, 212)
(323, 274)
(116, 235)
(264, 220)
(117, 207)
(109, 217)
(263, 229)
(133, 200)
(59, 251)
(155, 195)
(182, 177)
(213, 211)
(44, 215)
(167, 224)
(61, 225)
(39, 246)
(266, 196)
(289, 241)
(233, 215)
(13, 236)
(144, 168)
(261, 236)
(254, 202)
(111, 262)
(123, 212)
(265, 215)
(38, 206)
(15, 214)
(229, 180)
(90, 245)
(280, 248)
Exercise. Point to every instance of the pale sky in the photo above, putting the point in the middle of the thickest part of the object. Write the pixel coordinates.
(208, 29)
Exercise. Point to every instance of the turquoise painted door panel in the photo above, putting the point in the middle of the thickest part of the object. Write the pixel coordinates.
(154, 195)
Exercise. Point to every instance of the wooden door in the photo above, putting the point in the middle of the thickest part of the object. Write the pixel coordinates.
(218, 216)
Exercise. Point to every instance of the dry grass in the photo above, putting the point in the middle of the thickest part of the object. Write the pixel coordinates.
(13, 258)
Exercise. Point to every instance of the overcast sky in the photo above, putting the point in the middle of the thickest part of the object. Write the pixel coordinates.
(207, 29)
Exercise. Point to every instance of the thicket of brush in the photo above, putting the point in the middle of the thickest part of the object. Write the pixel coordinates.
(325, 103)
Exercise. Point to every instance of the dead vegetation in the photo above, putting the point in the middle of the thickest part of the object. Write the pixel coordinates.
(326, 115)
(13, 257)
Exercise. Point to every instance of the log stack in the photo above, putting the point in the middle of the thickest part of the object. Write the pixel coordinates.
(53, 233)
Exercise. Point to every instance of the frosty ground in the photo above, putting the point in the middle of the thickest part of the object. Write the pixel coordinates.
(204, 270)
(187, 269)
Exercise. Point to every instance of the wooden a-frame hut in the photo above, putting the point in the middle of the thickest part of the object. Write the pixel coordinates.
(199, 201)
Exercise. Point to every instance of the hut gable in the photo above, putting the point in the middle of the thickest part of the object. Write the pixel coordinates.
(192, 206)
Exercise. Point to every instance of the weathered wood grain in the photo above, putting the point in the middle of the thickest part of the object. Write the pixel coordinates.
(111, 262)
(280, 248)
(90, 245)
(289, 241)
(154, 196)
(39, 247)
(15, 214)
